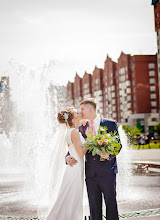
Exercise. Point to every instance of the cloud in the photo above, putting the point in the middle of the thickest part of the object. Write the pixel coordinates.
(34, 20)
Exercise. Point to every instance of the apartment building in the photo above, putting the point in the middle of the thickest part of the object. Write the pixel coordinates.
(97, 89)
(77, 90)
(110, 89)
(124, 87)
(87, 86)
(70, 93)
(126, 91)
(156, 4)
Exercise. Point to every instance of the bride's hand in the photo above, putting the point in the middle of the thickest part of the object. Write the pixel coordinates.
(71, 161)
(89, 131)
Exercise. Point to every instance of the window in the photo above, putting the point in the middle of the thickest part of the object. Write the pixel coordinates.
(153, 111)
(129, 105)
(123, 78)
(97, 81)
(100, 98)
(128, 90)
(157, 15)
(153, 104)
(128, 98)
(113, 88)
(153, 96)
(152, 81)
(100, 104)
(113, 94)
(152, 73)
(151, 65)
(152, 88)
(128, 83)
(109, 97)
(154, 119)
(85, 86)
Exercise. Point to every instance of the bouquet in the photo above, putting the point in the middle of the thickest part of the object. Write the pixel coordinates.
(103, 141)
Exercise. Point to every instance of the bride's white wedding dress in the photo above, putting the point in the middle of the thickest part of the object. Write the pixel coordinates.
(69, 204)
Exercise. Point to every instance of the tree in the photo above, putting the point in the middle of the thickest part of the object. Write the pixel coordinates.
(131, 132)
(157, 128)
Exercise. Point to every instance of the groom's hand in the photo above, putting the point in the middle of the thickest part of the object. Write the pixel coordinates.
(105, 156)
(71, 161)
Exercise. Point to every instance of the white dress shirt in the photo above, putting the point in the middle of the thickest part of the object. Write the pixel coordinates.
(97, 123)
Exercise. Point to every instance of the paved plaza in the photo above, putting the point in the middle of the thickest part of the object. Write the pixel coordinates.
(145, 193)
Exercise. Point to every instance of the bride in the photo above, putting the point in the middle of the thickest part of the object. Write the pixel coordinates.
(67, 183)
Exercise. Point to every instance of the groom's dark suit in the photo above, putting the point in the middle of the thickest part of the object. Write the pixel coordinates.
(101, 179)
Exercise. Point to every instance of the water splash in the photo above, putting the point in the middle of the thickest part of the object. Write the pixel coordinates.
(36, 99)
(124, 176)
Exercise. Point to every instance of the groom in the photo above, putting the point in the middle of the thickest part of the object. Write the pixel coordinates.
(100, 175)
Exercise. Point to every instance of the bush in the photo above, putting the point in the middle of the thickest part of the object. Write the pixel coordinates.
(157, 128)
(131, 132)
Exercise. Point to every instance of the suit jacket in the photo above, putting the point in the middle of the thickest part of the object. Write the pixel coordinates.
(93, 165)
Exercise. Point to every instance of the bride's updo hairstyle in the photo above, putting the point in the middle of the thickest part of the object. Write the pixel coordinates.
(65, 116)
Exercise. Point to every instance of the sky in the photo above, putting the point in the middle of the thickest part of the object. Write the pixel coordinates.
(78, 35)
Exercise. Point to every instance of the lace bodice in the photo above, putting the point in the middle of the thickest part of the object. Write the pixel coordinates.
(71, 147)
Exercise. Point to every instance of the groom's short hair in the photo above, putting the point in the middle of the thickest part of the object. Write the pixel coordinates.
(90, 101)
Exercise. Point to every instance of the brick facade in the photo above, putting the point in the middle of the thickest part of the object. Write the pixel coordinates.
(109, 89)
(145, 84)
(77, 90)
(121, 89)
(156, 4)
(70, 93)
(124, 89)
(87, 86)
(97, 88)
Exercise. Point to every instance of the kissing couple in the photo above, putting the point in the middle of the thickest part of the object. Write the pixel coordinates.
(68, 169)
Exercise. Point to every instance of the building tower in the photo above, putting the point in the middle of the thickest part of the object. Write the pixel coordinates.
(156, 4)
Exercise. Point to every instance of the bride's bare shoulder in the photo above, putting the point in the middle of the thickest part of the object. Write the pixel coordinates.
(75, 133)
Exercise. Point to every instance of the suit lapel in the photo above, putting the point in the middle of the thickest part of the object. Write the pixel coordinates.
(101, 121)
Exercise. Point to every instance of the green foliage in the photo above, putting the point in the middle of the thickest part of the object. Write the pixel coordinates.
(131, 132)
(146, 146)
(157, 128)
(103, 141)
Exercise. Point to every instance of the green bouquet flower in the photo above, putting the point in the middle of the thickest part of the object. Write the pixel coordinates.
(103, 141)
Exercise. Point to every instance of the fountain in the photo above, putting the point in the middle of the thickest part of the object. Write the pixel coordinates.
(25, 146)
(30, 107)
